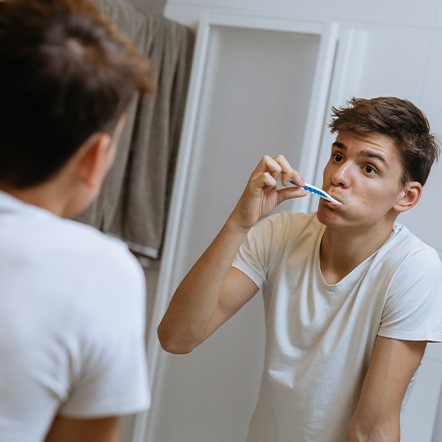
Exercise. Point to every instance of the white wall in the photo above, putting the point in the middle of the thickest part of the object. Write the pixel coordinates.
(403, 58)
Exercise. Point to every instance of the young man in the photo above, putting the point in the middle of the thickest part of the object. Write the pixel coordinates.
(351, 296)
(71, 299)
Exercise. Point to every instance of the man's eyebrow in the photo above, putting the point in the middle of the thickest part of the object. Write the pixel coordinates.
(363, 153)
(375, 155)
(340, 145)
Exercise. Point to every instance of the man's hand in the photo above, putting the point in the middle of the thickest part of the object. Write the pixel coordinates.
(261, 195)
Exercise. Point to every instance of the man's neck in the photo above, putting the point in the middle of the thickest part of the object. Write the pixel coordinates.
(342, 251)
(49, 196)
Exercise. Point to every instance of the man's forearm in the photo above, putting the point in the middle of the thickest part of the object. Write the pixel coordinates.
(380, 430)
(193, 306)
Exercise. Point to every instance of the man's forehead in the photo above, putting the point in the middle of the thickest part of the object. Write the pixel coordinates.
(371, 145)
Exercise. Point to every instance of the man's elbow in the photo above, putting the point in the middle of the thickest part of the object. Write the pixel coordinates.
(173, 344)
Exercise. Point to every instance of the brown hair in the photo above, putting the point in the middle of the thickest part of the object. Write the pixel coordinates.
(401, 120)
(65, 73)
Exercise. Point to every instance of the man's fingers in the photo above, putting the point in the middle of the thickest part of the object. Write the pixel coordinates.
(278, 167)
(286, 169)
(263, 180)
(268, 164)
(290, 193)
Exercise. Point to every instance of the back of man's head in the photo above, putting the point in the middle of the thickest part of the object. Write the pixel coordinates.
(65, 73)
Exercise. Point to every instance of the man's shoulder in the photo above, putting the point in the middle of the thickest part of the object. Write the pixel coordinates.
(407, 243)
(288, 230)
(87, 242)
(44, 240)
(83, 236)
(406, 253)
(295, 220)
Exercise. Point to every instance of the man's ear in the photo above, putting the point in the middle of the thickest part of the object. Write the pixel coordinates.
(409, 197)
(93, 159)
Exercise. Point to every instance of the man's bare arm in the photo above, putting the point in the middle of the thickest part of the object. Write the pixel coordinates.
(377, 415)
(213, 291)
(84, 430)
(207, 297)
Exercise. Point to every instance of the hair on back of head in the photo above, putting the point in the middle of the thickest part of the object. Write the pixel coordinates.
(65, 73)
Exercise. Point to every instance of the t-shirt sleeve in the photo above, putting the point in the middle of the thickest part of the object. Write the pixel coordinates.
(413, 308)
(109, 373)
(247, 261)
(260, 248)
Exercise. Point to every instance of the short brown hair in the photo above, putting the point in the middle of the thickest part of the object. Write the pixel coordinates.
(65, 73)
(401, 120)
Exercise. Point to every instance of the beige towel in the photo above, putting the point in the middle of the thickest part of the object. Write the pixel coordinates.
(134, 200)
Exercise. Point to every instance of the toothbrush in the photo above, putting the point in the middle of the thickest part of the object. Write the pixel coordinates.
(318, 192)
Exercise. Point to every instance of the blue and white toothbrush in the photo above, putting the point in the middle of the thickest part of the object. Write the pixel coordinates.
(318, 192)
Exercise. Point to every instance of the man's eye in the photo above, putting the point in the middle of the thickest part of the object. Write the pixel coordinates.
(337, 157)
(370, 170)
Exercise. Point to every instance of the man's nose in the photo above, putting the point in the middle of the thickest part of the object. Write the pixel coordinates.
(342, 175)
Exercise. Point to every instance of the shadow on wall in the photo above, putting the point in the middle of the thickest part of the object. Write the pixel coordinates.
(153, 6)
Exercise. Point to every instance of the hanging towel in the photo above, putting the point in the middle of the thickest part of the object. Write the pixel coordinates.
(134, 199)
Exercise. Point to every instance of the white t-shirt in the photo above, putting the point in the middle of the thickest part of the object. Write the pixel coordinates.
(319, 337)
(72, 309)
